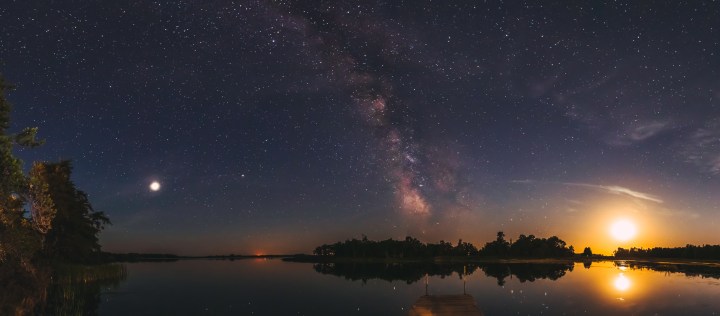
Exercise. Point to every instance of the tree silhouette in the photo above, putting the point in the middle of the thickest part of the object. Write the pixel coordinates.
(525, 246)
(63, 225)
(689, 252)
(498, 247)
(64, 214)
(18, 241)
(587, 252)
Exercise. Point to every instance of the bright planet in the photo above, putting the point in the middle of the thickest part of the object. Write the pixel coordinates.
(155, 186)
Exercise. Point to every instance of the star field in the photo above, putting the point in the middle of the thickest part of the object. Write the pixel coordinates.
(280, 125)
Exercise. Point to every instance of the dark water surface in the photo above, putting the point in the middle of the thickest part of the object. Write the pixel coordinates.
(274, 287)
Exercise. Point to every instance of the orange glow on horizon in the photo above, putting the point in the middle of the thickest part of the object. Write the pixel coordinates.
(610, 224)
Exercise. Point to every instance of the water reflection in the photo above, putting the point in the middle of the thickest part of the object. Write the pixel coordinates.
(526, 272)
(62, 290)
(243, 287)
(438, 305)
(622, 283)
(703, 270)
(413, 272)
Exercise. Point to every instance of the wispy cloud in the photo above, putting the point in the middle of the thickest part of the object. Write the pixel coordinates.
(650, 129)
(635, 133)
(702, 148)
(613, 189)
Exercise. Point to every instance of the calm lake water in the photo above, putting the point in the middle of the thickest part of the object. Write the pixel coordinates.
(274, 287)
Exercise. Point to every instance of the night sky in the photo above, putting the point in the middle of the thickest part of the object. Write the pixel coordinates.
(276, 126)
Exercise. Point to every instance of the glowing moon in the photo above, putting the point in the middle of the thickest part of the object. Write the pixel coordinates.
(623, 230)
(155, 186)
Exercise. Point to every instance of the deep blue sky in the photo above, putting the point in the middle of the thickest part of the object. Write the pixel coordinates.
(274, 126)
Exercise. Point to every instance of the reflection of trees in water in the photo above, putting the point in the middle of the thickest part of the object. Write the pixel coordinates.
(413, 272)
(21, 288)
(690, 270)
(526, 272)
(408, 272)
(65, 290)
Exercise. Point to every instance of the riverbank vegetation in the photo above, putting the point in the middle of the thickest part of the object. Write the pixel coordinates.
(47, 228)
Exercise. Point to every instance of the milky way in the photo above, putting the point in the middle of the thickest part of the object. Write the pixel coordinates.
(280, 125)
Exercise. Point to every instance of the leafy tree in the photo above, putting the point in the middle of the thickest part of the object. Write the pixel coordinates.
(18, 241)
(64, 214)
(587, 252)
(498, 247)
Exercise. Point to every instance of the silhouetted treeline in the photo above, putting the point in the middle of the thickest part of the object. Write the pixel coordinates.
(527, 246)
(687, 252)
(411, 272)
(524, 246)
(410, 247)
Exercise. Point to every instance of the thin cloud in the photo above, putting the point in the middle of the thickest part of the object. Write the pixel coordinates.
(614, 189)
(645, 131)
(702, 148)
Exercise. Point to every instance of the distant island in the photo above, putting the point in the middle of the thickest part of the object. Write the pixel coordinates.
(524, 247)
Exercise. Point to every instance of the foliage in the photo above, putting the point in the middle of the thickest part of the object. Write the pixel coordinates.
(499, 247)
(57, 290)
(75, 289)
(408, 248)
(62, 226)
(64, 214)
(525, 246)
(587, 252)
(530, 246)
(18, 241)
